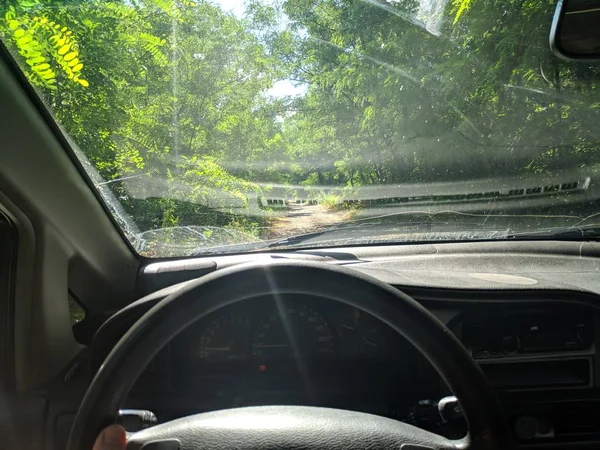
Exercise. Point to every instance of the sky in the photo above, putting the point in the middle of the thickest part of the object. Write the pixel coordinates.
(234, 6)
(285, 88)
(281, 88)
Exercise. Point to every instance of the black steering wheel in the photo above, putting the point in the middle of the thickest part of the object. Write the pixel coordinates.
(290, 427)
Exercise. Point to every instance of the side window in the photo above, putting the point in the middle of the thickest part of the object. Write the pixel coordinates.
(76, 311)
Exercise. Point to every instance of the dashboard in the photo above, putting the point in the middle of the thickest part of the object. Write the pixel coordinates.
(538, 349)
(528, 313)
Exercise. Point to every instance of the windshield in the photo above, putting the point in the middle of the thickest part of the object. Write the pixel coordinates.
(234, 125)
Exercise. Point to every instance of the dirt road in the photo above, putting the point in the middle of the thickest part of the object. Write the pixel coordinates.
(305, 219)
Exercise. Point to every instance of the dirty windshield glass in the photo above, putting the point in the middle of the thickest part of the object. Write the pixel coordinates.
(238, 125)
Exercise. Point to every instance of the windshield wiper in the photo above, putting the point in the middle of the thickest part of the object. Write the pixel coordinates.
(359, 234)
(577, 233)
(367, 233)
(353, 228)
(299, 238)
(373, 233)
(423, 219)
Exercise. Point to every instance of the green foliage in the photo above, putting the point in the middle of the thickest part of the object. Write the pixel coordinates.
(175, 98)
(46, 46)
(76, 311)
(328, 200)
(460, 6)
(207, 182)
(154, 45)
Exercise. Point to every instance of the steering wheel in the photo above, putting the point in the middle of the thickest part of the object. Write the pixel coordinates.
(290, 427)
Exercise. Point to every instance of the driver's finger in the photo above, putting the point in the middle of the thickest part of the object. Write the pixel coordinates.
(112, 438)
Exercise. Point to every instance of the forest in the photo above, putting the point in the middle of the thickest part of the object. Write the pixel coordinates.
(191, 111)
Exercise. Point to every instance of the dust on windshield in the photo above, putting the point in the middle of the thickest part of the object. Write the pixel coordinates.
(231, 125)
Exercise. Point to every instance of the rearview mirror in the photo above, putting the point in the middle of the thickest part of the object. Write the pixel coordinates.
(575, 33)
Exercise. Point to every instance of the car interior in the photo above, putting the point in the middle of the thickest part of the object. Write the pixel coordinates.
(486, 344)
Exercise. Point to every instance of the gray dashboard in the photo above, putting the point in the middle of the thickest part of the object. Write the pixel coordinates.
(538, 383)
(529, 265)
(492, 295)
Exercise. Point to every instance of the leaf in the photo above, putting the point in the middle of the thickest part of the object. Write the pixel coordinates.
(461, 6)
(30, 53)
(24, 40)
(84, 83)
(19, 33)
(42, 66)
(70, 56)
(73, 62)
(36, 60)
(13, 24)
(78, 67)
(64, 49)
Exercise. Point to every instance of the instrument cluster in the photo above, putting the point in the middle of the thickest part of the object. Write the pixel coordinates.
(292, 328)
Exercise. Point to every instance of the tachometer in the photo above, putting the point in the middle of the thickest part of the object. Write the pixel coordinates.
(218, 341)
(292, 331)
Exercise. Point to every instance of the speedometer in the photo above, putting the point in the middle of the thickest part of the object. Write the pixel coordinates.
(292, 331)
(362, 335)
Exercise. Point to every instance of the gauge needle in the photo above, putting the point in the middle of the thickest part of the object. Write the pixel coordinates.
(371, 343)
(271, 346)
